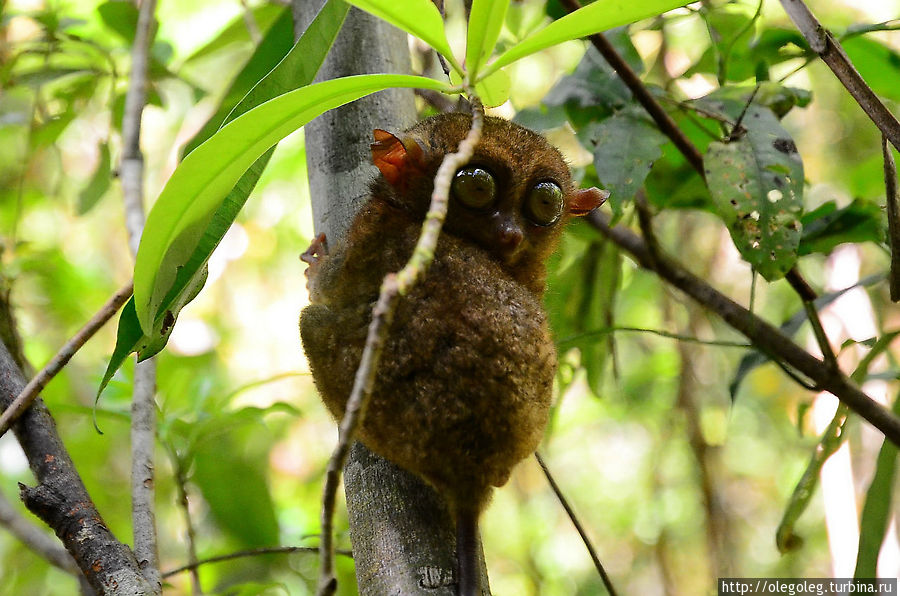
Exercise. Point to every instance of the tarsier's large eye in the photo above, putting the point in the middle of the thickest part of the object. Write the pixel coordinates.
(544, 203)
(474, 187)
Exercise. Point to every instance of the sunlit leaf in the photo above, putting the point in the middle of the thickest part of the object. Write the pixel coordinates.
(265, 16)
(485, 22)
(593, 18)
(419, 18)
(201, 183)
(297, 68)
(492, 91)
(272, 48)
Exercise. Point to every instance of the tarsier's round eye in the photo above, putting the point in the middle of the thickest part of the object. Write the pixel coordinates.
(544, 203)
(474, 187)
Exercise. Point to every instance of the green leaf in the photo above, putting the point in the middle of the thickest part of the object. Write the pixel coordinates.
(593, 18)
(831, 440)
(876, 513)
(419, 18)
(98, 184)
(584, 282)
(492, 91)
(121, 16)
(625, 147)
(298, 68)
(828, 226)
(265, 16)
(785, 538)
(244, 508)
(756, 183)
(485, 22)
(878, 64)
(201, 183)
(272, 48)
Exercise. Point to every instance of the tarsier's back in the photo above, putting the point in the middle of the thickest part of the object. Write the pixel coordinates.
(464, 386)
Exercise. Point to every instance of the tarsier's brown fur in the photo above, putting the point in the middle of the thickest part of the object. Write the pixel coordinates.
(463, 389)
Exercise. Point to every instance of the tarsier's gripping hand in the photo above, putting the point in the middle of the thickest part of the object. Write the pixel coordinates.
(317, 251)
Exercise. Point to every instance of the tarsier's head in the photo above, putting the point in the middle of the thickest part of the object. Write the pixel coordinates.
(512, 198)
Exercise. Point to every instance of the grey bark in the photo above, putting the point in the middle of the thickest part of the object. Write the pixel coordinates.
(61, 500)
(143, 403)
(403, 535)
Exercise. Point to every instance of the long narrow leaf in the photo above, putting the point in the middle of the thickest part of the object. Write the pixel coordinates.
(297, 68)
(876, 513)
(419, 18)
(593, 18)
(201, 183)
(485, 21)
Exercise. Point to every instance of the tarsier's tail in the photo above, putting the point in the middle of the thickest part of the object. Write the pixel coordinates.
(468, 574)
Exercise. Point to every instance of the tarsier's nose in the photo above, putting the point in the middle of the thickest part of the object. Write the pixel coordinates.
(510, 237)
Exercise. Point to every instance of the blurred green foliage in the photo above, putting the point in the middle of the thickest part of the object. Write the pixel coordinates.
(676, 483)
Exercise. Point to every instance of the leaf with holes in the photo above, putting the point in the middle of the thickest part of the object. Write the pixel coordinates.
(756, 183)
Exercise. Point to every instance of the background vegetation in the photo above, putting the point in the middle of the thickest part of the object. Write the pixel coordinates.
(679, 461)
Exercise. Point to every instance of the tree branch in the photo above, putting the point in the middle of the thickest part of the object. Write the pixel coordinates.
(607, 582)
(827, 47)
(143, 405)
(61, 500)
(34, 387)
(763, 335)
(253, 552)
(643, 95)
(35, 538)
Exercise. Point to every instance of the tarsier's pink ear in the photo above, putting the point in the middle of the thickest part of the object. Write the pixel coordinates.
(585, 200)
(394, 157)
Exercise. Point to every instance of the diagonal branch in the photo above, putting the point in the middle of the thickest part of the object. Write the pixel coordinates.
(61, 500)
(30, 392)
(830, 51)
(764, 336)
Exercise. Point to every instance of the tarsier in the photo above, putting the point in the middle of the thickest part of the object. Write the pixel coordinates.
(463, 390)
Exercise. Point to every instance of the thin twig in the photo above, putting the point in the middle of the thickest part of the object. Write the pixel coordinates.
(577, 523)
(808, 296)
(253, 552)
(143, 405)
(181, 487)
(827, 47)
(643, 95)
(892, 202)
(573, 339)
(762, 334)
(393, 286)
(40, 380)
